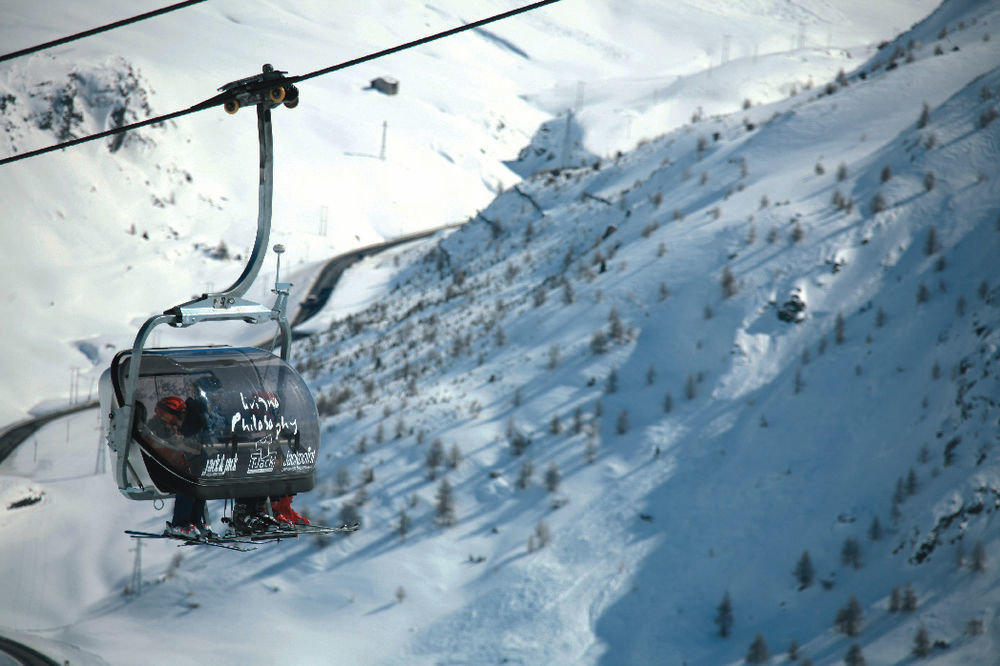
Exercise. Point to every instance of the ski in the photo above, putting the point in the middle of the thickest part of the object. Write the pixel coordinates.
(287, 532)
(218, 542)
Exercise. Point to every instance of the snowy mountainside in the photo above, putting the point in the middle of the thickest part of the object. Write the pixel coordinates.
(675, 439)
(158, 210)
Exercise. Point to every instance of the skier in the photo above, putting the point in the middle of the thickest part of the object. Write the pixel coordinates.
(166, 425)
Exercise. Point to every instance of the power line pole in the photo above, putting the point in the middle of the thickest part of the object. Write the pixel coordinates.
(135, 585)
(385, 127)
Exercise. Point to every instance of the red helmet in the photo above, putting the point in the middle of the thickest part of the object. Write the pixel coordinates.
(171, 406)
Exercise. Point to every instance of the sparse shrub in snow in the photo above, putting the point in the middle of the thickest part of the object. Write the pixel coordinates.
(772, 235)
(341, 481)
(615, 326)
(622, 425)
(758, 653)
(764, 202)
(599, 342)
(848, 618)
(799, 383)
(677, 215)
(793, 650)
(798, 233)
(923, 293)
(553, 356)
(983, 290)
(367, 475)
(454, 456)
(360, 496)
(839, 329)
(978, 562)
(728, 283)
(690, 388)
(819, 169)
(525, 473)
(552, 477)
(930, 141)
(444, 507)
(568, 294)
(651, 375)
(543, 533)
(715, 213)
(703, 179)
(611, 383)
(931, 244)
(930, 180)
(590, 447)
(804, 571)
(661, 249)
(960, 306)
(403, 524)
(400, 594)
(555, 425)
(724, 616)
(895, 600)
(908, 604)
(974, 627)
(668, 402)
(925, 116)
(987, 117)
(707, 312)
(854, 657)
(878, 204)
(886, 173)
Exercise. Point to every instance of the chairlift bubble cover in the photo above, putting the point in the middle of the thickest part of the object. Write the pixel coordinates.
(232, 421)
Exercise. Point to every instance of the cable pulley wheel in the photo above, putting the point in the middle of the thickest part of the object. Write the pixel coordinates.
(232, 106)
(276, 94)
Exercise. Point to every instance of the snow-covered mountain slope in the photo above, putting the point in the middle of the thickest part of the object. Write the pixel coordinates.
(615, 324)
(105, 220)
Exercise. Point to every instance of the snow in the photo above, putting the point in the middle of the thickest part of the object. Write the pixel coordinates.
(780, 437)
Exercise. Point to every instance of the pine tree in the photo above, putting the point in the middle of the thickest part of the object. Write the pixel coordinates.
(854, 656)
(921, 642)
(793, 650)
(621, 425)
(552, 477)
(404, 524)
(895, 600)
(724, 616)
(848, 619)
(909, 602)
(804, 571)
(875, 530)
(444, 507)
(435, 456)
(850, 553)
(758, 652)
(454, 456)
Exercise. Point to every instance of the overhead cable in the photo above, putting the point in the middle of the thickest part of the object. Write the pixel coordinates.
(98, 30)
(224, 96)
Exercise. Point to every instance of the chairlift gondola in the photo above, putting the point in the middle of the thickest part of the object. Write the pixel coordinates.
(242, 422)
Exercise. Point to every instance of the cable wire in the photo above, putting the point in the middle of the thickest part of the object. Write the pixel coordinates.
(98, 30)
(224, 96)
